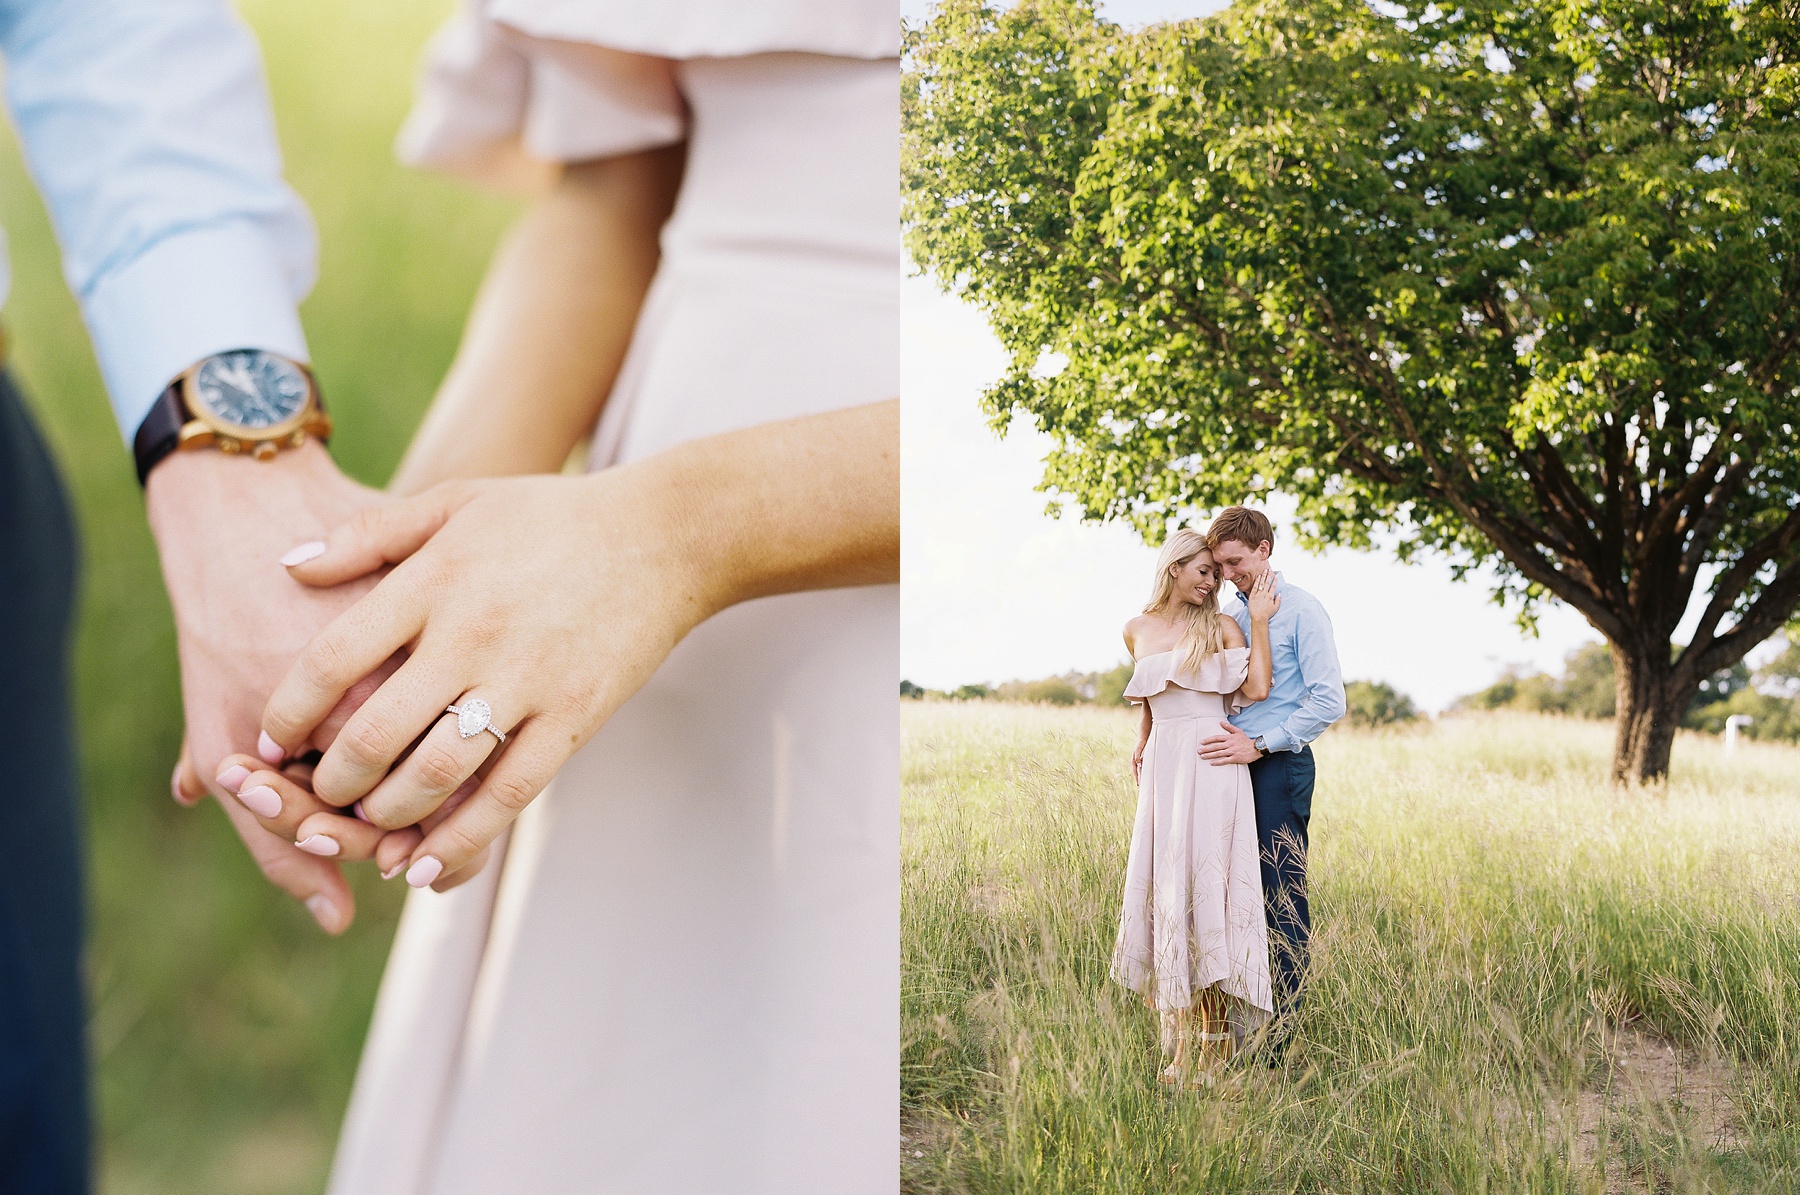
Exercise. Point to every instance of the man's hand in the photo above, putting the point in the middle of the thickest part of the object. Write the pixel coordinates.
(1230, 746)
(222, 524)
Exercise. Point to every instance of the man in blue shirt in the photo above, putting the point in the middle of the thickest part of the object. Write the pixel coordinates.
(147, 127)
(1306, 695)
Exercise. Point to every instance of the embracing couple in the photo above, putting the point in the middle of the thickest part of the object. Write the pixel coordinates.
(673, 969)
(1216, 875)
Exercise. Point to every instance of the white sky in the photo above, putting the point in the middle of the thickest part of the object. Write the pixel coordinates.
(992, 589)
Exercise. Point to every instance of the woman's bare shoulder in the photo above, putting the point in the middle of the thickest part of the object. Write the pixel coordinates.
(1231, 632)
(1135, 629)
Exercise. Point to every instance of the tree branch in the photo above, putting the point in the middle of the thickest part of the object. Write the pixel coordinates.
(1711, 517)
(1772, 608)
(1732, 583)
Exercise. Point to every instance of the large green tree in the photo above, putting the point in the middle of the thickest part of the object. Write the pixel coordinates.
(1510, 281)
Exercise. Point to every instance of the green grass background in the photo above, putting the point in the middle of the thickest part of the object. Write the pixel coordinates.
(224, 1027)
(1486, 912)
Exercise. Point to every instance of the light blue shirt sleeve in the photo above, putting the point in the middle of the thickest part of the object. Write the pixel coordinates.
(148, 128)
(1322, 679)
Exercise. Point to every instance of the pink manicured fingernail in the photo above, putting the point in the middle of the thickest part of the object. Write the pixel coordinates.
(318, 844)
(262, 800)
(424, 871)
(357, 813)
(233, 777)
(270, 750)
(323, 911)
(175, 787)
(395, 870)
(303, 553)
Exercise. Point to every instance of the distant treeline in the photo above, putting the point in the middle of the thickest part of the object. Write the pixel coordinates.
(1071, 688)
(1372, 703)
(1769, 695)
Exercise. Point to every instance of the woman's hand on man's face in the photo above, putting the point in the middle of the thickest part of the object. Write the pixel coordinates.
(1262, 600)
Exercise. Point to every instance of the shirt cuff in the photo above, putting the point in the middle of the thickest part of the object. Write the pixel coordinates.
(1278, 739)
(190, 295)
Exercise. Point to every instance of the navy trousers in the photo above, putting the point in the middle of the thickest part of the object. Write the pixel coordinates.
(43, 1057)
(1283, 784)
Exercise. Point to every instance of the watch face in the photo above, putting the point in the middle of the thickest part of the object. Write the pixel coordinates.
(251, 389)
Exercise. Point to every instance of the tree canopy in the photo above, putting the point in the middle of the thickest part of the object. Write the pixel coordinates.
(1513, 281)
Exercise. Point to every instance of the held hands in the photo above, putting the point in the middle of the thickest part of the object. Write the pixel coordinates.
(550, 598)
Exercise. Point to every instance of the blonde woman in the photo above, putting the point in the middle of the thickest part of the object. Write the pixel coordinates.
(1192, 939)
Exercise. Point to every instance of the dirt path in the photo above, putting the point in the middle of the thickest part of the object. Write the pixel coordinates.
(1660, 1085)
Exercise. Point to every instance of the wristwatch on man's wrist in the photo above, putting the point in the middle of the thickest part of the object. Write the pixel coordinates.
(1262, 748)
(243, 401)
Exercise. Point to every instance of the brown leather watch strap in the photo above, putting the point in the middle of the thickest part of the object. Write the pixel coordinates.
(160, 431)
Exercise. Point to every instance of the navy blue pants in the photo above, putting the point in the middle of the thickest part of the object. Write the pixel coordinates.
(43, 1058)
(1283, 784)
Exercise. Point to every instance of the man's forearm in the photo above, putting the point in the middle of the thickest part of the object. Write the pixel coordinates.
(1314, 717)
(149, 134)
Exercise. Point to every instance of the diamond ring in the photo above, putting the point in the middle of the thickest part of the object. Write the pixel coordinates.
(472, 717)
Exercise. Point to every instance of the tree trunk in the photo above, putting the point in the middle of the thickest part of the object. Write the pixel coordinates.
(1647, 712)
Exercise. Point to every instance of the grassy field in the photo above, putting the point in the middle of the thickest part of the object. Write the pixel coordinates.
(225, 1028)
(1523, 981)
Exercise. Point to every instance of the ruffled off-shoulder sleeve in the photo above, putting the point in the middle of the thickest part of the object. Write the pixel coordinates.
(503, 107)
(511, 87)
(714, 28)
(1222, 672)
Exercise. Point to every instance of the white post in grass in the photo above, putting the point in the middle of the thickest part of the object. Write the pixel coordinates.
(1734, 724)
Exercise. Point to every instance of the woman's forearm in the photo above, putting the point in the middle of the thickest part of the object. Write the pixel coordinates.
(808, 503)
(1262, 665)
(1144, 726)
(550, 326)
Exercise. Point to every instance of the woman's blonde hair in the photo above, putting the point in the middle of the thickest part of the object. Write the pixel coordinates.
(1201, 633)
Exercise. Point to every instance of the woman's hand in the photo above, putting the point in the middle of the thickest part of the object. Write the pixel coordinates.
(553, 599)
(1137, 763)
(550, 598)
(282, 800)
(1262, 601)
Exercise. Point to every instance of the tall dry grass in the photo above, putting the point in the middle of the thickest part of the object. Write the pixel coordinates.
(1489, 917)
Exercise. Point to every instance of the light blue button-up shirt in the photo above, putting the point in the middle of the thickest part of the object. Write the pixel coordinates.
(147, 126)
(1306, 692)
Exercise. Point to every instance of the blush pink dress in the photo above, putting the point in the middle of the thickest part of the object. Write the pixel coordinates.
(1193, 907)
(682, 974)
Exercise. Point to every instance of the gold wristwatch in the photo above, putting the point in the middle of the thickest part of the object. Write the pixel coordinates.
(246, 400)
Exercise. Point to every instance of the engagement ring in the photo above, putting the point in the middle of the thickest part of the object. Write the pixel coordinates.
(473, 717)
